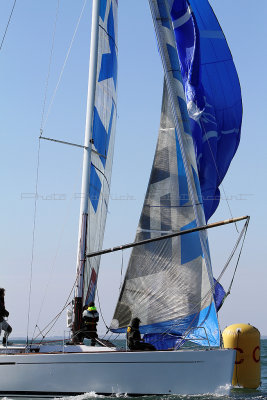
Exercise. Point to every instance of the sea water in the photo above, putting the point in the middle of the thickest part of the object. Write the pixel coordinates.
(235, 393)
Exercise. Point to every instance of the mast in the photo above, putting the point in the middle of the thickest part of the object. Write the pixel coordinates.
(81, 251)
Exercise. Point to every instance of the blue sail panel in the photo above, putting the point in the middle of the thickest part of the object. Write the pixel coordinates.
(219, 295)
(190, 244)
(95, 188)
(101, 135)
(200, 328)
(212, 92)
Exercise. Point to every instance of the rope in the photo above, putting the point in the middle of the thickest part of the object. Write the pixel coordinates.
(232, 281)
(243, 233)
(121, 270)
(101, 311)
(211, 290)
(215, 164)
(64, 64)
(10, 16)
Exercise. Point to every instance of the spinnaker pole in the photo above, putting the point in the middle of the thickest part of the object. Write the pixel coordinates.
(82, 238)
(169, 236)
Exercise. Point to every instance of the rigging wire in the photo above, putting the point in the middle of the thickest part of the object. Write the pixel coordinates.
(53, 264)
(10, 16)
(61, 234)
(55, 319)
(243, 233)
(42, 125)
(52, 323)
(33, 239)
(64, 64)
(49, 67)
(37, 180)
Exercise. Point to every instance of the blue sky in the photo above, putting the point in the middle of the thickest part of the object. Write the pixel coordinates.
(24, 61)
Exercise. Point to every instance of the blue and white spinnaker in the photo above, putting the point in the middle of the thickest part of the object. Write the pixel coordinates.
(212, 91)
(169, 284)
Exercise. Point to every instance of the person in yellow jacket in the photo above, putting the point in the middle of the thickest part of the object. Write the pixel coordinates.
(90, 320)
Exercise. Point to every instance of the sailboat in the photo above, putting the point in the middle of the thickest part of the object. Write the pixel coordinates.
(169, 283)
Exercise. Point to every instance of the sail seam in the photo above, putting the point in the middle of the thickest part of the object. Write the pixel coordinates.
(102, 173)
(100, 26)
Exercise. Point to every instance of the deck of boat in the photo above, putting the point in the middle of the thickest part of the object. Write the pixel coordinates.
(55, 349)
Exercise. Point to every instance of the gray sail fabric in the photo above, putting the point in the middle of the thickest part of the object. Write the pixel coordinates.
(169, 284)
(103, 136)
(162, 283)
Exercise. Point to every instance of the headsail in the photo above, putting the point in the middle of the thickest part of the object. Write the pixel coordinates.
(169, 284)
(212, 92)
(101, 142)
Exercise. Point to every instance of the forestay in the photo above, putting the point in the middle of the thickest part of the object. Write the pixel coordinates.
(169, 284)
(102, 141)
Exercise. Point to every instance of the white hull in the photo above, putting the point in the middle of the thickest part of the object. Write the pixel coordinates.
(105, 372)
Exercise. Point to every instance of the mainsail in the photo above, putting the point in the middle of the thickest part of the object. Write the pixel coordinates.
(98, 165)
(103, 135)
(169, 284)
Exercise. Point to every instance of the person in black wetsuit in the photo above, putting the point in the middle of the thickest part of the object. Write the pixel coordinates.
(134, 341)
(4, 313)
(90, 320)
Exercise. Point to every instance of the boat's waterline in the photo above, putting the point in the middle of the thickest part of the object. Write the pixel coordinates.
(165, 372)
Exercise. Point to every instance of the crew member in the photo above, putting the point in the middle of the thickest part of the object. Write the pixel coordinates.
(4, 313)
(134, 341)
(90, 320)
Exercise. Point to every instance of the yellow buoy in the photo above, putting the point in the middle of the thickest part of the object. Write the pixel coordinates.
(246, 340)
